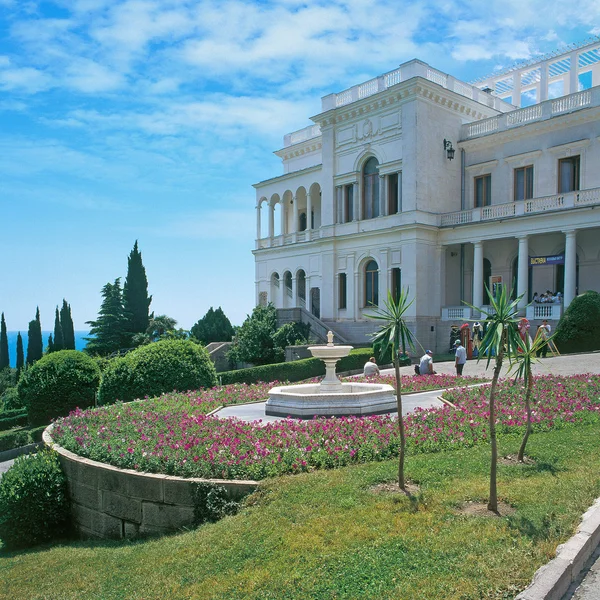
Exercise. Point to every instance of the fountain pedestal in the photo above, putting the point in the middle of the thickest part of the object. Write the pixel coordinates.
(331, 397)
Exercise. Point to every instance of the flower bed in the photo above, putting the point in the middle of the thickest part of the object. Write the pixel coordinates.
(422, 383)
(173, 435)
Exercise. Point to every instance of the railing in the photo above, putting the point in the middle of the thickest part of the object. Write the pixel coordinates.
(524, 207)
(413, 68)
(302, 135)
(538, 112)
(456, 313)
(550, 311)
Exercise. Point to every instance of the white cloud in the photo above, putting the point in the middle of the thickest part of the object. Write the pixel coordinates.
(24, 79)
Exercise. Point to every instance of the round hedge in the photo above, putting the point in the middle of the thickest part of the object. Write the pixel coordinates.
(57, 384)
(579, 328)
(34, 504)
(155, 369)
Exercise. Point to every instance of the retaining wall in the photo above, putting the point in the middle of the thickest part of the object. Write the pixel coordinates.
(112, 503)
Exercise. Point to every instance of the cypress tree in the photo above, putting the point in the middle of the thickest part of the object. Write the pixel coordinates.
(4, 358)
(51, 347)
(136, 302)
(108, 330)
(58, 341)
(35, 345)
(66, 323)
(20, 356)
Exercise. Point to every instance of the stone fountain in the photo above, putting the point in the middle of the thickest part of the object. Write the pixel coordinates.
(331, 397)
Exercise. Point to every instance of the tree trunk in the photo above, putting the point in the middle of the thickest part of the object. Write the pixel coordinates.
(521, 455)
(493, 501)
(401, 481)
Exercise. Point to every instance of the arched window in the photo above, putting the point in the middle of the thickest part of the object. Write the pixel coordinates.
(301, 282)
(371, 284)
(302, 224)
(288, 284)
(371, 189)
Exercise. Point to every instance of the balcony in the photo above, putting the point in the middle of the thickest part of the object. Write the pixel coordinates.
(533, 312)
(406, 71)
(524, 207)
(531, 114)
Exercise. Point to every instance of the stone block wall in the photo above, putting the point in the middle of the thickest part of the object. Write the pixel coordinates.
(112, 503)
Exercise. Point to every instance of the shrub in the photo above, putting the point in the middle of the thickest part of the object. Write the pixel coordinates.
(579, 328)
(11, 399)
(57, 384)
(160, 367)
(212, 503)
(34, 505)
(12, 420)
(22, 436)
(296, 370)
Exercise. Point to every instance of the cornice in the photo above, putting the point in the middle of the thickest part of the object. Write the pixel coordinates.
(488, 164)
(312, 145)
(287, 176)
(570, 146)
(523, 156)
(416, 87)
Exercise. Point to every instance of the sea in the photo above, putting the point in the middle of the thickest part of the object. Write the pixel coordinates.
(80, 343)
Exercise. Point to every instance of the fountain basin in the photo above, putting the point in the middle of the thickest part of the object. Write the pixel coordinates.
(324, 352)
(307, 400)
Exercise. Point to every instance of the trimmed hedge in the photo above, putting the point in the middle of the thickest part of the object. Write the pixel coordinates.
(22, 436)
(14, 420)
(34, 502)
(57, 384)
(296, 370)
(579, 327)
(157, 368)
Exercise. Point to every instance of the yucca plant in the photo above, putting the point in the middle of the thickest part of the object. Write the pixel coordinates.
(395, 334)
(524, 358)
(499, 339)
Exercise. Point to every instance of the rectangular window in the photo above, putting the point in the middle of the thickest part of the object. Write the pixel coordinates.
(392, 190)
(342, 291)
(568, 174)
(483, 191)
(396, 283)
(523, 183)
(349, 202)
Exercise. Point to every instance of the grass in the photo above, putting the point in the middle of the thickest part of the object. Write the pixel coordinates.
(325, 534)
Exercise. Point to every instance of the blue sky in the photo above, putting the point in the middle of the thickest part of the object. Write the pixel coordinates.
(151, 120)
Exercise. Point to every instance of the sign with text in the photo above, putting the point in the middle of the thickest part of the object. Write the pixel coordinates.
(555, 259)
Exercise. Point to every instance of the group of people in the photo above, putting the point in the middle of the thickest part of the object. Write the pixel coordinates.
(548, 297)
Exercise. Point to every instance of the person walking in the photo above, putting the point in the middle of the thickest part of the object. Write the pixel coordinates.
(544, 332)
(460, 359)
(370, 369)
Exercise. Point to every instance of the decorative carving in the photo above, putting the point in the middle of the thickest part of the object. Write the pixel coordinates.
(367, 128)
(330, 338)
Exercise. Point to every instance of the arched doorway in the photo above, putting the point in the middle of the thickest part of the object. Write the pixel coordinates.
(371, 284)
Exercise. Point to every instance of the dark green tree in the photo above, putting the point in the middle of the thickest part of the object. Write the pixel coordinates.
(214, 326)
(136, 302)
(50, 347)
(4, 358)
(20, 355)
(35, 345)
(160, 327)
(579, 327)
(66, 324)
(58, 340)
(254, 341)
(109, 329)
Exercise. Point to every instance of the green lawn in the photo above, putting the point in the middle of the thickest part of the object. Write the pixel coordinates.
(326, 535)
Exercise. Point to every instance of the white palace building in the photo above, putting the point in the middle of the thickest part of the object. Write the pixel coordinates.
(416, 179)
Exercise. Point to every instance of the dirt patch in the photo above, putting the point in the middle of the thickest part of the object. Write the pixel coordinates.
(512, 460)
(480, 509)
(392, 487)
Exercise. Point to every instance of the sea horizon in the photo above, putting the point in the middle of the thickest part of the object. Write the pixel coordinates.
(80, 343)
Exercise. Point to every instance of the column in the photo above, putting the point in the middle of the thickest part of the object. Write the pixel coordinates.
(523, 277)
(282, 206)
(573, 79)
(570, 266)
(356, 201)
(382, 195)
(399, 191)
(308, 211)
(543, 86)
(344, 194)
(295, 292)
(258, 223)
(295, 213)
(357, 296)
(339, 218)
(477, 274)
(271, 221)
(517, 89)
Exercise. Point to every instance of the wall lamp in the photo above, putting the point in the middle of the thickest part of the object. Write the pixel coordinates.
(449, 149)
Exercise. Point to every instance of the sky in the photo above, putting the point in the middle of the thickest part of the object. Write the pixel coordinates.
(149, 120)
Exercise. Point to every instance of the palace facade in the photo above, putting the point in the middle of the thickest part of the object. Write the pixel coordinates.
(417, 180)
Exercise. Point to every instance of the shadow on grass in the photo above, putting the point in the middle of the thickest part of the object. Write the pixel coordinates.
(537, 531)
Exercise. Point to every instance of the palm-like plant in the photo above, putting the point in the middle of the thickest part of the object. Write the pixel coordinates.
(524, 358)
(500, 338)
(394, 333)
